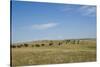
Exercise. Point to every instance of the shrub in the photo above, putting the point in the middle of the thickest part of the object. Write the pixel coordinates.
(59, 44)
(67, 41)
(73, 42)
(78, 41)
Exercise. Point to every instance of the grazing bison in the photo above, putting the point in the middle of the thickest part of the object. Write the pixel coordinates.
(50, 44)
(42, 44)
(26, 45)
(13, 46)
(37, 45)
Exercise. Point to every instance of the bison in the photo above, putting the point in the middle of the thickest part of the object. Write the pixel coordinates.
(42, 44)
(37, 45)
(26, 45)
(50, 44)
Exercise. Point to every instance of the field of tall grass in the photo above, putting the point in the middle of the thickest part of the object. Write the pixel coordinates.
(53, 52)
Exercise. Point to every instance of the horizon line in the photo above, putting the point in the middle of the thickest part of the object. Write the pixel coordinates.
(51, 39)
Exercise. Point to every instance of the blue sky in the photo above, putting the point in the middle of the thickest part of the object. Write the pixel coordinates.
(41, 21)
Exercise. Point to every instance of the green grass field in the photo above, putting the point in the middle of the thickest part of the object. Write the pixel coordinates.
(85, 51)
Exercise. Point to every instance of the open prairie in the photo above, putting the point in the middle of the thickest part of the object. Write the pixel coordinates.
(53, 52)
(52, 33)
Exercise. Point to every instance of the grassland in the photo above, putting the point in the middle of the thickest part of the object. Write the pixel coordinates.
(65, 52)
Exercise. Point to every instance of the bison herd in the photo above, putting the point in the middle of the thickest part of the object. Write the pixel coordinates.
(49, 44)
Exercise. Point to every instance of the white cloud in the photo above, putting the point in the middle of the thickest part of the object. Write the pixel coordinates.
(44, 26)
(87, 10)
(83, 10)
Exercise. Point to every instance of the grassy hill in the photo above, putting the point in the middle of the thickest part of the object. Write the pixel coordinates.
(53, 52)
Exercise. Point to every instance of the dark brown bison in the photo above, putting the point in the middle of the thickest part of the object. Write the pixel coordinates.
(13, 46)
(37, 45)
(26, 45)
(50, 44)
(42, 44)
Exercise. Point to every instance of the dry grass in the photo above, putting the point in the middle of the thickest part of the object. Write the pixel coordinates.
(65, 53)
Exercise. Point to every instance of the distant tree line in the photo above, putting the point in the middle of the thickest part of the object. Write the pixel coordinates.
(72, 41)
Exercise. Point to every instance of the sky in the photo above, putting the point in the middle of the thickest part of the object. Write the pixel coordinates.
(52, 21)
